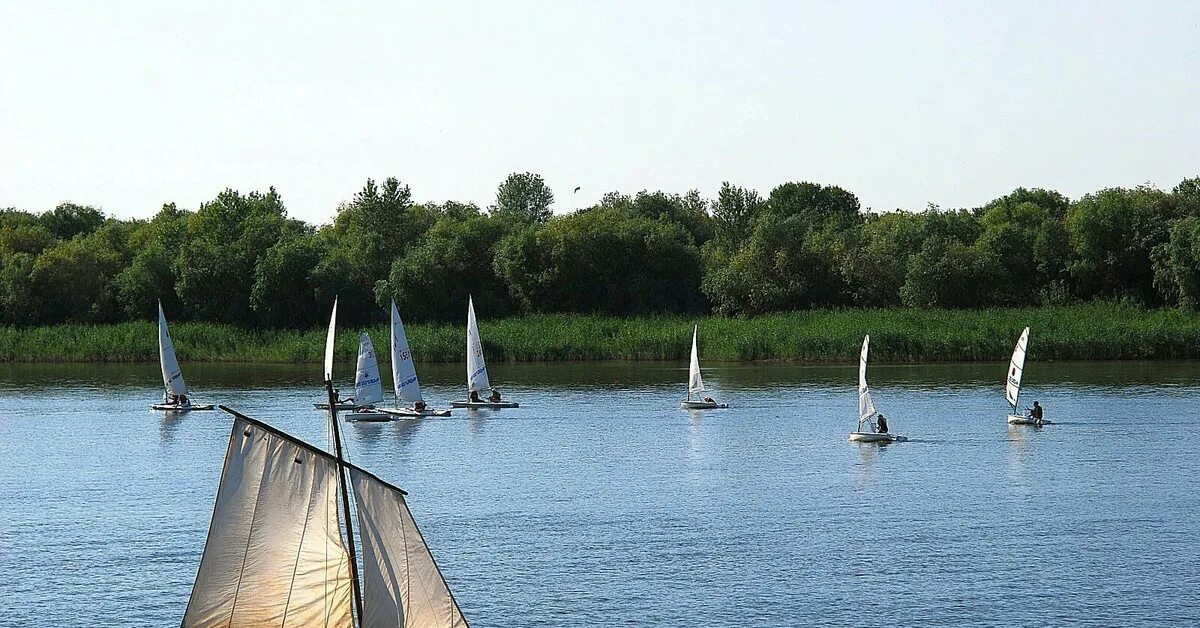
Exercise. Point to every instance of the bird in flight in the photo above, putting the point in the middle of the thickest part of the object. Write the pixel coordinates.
(577, 188)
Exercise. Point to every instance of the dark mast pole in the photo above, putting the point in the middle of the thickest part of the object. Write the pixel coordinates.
(345, 490)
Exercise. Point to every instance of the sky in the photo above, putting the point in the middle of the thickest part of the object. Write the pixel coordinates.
(127, 105)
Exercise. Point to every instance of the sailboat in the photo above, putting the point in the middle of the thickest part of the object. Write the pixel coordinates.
(281, 548)
(404, 376)
(477, 377)
(867, 430)
(696, 383)
(1012, 388)
(342, 404)
(368, 390)
(175, 394)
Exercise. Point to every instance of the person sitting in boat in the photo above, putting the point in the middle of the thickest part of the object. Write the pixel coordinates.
(474, 397)
(881, 424)
(1035, 413)
(709, 400)
(495, 396)
(183, 400)
(419, 405)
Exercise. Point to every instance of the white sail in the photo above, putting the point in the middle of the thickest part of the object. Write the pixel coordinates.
(172, 376)
(368, 389)
(695, 382)
(1016, 368)
(401, 582)
(404, 371)
(477, 377)
(329, 337)
(274, 554)
(866, 409)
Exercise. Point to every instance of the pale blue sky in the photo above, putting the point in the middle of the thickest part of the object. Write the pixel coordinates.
(127, 105)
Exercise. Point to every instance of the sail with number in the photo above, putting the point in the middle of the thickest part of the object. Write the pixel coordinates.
(695, 382)
(275, 554)
(404, 371)
(866, 409)
(172, 376)
(477, 377)
(1016, 368)
(368, 388)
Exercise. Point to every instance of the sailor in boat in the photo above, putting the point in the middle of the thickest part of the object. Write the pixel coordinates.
(419, 405)
(475, 397)
(1035, 413)
(709, 400)
(881, 424)
(495, 396)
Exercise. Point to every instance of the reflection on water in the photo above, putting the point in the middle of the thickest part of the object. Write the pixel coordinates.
(601, 502)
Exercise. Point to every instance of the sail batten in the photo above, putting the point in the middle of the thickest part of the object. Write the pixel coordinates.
(368, 387)
(695, 381)
(866, 408)
(1016, 369)
(477, 376)
(172, 375)
(404, 371)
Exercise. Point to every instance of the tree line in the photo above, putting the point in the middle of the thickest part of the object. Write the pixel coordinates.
(239, 259)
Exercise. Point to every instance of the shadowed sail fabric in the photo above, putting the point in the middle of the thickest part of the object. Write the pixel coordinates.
(274, 554)
(477, 377)
(172, 376)
(695, 382)
(866, 409)
(368, 388)
(404, 372)
(401, 582)
(1016, 368)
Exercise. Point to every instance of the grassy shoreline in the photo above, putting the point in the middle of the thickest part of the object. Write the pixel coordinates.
(1082, 332)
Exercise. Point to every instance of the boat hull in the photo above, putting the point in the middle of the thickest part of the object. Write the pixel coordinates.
(341, 406)
(1014, 419)
(367, 415)
(702, 405)
(409, 413)
(484, 404)
(874, 437)
(170, 407)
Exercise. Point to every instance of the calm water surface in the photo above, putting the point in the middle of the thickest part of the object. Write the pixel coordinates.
(601, 503)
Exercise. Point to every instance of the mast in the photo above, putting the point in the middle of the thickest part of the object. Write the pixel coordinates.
(344, 489)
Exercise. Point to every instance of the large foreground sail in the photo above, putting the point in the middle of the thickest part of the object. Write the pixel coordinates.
(404, 371)
(1016, 368)
(866, 409)
(477, 377)
(401, 582)
(695, 382)
(172, 376)
(274, 554)
(368, 389)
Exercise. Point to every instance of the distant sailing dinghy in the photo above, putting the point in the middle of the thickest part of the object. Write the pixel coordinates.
(477, 377)
(345, 404)
(1012, 388)
(175, 396)
(696, 383)
(368, 390)
(404, 376)
(281, 549)
(867, 430)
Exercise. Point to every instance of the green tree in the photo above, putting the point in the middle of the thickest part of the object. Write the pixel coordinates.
(734, 213)
(69, 220)
(1113, 234)
(73, 280)
(283, 294)
(525, 197)
(948, 273)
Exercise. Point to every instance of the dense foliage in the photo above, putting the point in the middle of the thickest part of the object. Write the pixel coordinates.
(238, 259)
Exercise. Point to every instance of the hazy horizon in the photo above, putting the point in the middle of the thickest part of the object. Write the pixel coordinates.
(129, 106)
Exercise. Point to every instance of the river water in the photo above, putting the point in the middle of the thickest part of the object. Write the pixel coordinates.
(600, 503)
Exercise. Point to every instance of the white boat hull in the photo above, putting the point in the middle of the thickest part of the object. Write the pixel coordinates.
(409, 413)
(702, 405)
(1014, 419)
(484, 404)
(367, 414)
(874, 437)
(347, 405)
(172, 407)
